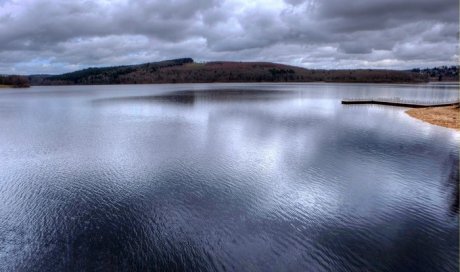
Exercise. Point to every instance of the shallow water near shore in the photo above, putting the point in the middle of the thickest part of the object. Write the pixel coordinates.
(225, 177)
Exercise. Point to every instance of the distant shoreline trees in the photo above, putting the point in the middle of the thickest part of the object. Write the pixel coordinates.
(14, 81)
(185, 70)
(441, 73)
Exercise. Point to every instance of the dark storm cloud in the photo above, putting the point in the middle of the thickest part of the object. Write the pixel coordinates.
(56, 36)
(377, 14)
(42, 23)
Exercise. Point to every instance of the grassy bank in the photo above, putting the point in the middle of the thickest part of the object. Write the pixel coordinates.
(442, 116)
(6, 86)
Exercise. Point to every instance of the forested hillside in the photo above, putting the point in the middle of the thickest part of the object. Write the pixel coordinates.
(187, 71)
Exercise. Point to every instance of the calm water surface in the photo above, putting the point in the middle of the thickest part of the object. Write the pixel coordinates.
(225, 177)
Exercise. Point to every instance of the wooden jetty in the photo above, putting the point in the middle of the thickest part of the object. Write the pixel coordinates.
(401, 103)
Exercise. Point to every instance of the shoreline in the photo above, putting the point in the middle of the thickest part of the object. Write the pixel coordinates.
(13, 87)
(256, 82)
(447, 117)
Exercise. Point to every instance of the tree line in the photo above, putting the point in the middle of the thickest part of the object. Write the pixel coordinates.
(441, 73)
(15, 81)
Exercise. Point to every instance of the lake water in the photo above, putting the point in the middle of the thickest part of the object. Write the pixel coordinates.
(225, 177)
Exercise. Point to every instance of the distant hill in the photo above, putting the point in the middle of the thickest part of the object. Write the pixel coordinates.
(187, 71)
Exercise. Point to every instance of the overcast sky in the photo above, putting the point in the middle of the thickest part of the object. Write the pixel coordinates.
(56, 36)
